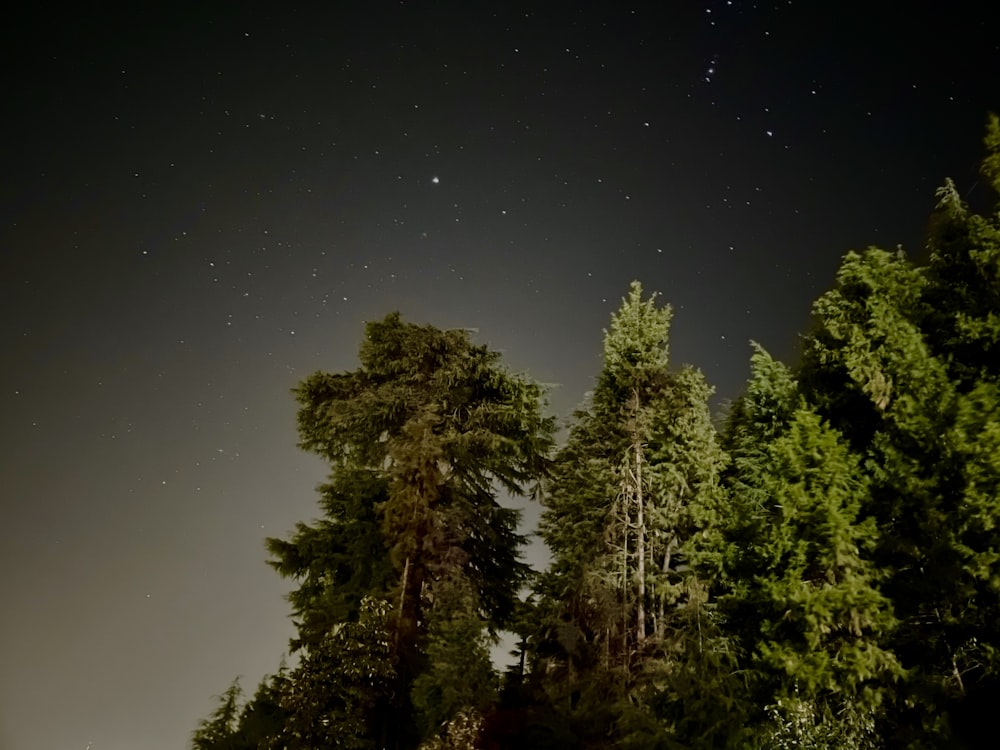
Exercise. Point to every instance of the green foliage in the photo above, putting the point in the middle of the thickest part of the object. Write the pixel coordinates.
(340, 693)
(238, 724)
(821, 616)
(263, 719)
(905, 361)
(636, 348)
(418, 439)
(797, 724)
(338, 559)
(824, 575)
(802, 597)
(420, 383)
(220, 730)
(963, 292)
(460, 733)
(687, 460)
(990, 169)
(637, 480)
(460, 676)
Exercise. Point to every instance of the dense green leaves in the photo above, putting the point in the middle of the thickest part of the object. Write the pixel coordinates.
(220, 730)
(895, 365)
(419, 440)
(460, 676)
(905, 363)
(341, 693)
(255, 724)
(637, 479)
(806, 608)
(338, 559)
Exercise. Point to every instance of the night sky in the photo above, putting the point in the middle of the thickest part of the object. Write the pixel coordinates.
(201, 208)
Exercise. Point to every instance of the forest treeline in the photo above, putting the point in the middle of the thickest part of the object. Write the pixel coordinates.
(819, 569)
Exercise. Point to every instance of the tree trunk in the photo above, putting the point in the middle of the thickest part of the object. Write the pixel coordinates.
(625, 573)
(402, 598)
(661, 622)
(640, 610)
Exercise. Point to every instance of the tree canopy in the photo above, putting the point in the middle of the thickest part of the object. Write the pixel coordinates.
(818, 567)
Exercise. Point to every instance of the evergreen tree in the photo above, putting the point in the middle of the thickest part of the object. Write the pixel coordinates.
(963, 290)
(622, 506)
(340, 694)
(419, 440)
(220, 730)
(804, 598)
(460, 676)
(904, 363)
(962, 328)
(263, 719)
(338, 559)
(238, 724)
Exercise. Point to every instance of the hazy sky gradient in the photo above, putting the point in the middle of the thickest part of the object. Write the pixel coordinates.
(201, 207)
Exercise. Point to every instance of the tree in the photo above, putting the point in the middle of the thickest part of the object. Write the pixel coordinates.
(340, 695)
(419, 439)
(804, 600)
(263, 719)
(460, 676)
(338, 559)
(962, 328)
(239, 724)
(624, 501)
(963, 274)
(220, 730)
(597, 507)
(900, 365)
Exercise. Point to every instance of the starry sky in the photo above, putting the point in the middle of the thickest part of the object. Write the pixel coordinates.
(201, 207)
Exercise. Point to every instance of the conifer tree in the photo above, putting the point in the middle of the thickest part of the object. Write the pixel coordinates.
(263, 719)
(804, 598)
(341, 693)
(419, 440)
(622, 505)
(338, 559)
(904, 363)
(221, 730)
(963, 291)
(239, 724)
(460, 676)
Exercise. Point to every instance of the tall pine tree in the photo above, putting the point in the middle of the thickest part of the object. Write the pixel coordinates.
(420, 439)
(622, 506)
(905, 363)
(803, 602)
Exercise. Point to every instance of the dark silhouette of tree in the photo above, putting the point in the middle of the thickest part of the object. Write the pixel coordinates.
(420, 439)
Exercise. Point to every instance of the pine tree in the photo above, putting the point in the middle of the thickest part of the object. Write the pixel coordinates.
(221, 730)
(238, 724)
(804, 599)
(963, 290)
(902, 362)
(419, 440)
(337, 559)
(623, 503)
(460, 676)
(340, 694)
(263, 719)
